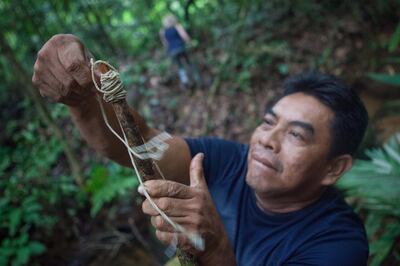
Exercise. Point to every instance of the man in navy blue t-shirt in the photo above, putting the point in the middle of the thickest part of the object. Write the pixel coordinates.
(271, 202)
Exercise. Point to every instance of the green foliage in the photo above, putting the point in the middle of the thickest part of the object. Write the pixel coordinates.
(374, 185)
(106, 184)
(21, 209)
(30, 194)
(391, 107)
(385, 78)
(17, 219)
(238, 44)
(390, 79)
(395, 40)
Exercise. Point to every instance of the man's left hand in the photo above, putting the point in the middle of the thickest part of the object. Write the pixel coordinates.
(190, 206)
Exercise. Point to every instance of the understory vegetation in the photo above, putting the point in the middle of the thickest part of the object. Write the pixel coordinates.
(57, 195)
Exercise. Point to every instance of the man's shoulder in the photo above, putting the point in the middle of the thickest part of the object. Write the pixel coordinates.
(332, 214)
(338, 211)
(327, 232)
(215, 142)
(222, 158)
(216, 147)
(333, 228)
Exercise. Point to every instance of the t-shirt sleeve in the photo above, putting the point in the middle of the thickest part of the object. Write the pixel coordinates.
(220, 156)
(332, 252)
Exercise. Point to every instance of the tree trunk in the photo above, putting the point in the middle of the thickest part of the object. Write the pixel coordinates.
(31, 92)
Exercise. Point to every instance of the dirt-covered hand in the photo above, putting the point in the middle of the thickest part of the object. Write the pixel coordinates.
(190, 206)
(62, 70)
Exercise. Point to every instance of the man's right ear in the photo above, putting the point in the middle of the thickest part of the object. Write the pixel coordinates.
(337, 167)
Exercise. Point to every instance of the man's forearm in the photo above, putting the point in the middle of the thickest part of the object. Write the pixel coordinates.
(62, 73)
(222, 255)
(90, 122)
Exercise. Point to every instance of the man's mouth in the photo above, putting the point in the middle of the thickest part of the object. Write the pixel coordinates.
(265, 160)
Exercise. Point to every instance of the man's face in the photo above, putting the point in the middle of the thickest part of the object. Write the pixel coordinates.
(289, 151)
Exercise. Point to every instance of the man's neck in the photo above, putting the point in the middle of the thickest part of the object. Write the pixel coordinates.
(275, 205)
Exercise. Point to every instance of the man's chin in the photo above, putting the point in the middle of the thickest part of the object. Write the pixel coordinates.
(258, 182)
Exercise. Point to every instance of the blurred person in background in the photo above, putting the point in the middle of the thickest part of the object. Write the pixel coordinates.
(174, 38)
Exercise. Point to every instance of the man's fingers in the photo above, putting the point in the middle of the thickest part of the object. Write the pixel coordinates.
(73, 58)
(166, 188)
(48, 92)
(167, 238)
(70, 85)
(160, 224)
(66, 81)
(55, 84)
(56, 73)
(44, 81)
(171, 206)
(197, 178)
(186, 221)
(179, 239)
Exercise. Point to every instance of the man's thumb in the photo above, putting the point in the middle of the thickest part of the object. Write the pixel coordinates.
(196, 171)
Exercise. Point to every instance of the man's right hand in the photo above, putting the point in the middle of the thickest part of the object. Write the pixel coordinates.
(62, 73)
(62, 70)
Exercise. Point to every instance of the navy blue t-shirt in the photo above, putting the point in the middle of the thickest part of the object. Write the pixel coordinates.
(326, 232)
(175, 43)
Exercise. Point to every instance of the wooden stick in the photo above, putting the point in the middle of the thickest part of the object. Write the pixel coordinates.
(145, 166)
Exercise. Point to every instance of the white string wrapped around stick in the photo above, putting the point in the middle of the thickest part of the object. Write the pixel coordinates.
(111, 85)
(113, 90)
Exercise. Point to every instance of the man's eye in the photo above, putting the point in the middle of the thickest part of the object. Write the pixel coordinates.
(268, 122)
(297, 135)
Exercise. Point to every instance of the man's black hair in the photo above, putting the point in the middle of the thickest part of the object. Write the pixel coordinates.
(350, 116)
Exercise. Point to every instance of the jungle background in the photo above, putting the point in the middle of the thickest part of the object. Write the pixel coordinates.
(61, 204)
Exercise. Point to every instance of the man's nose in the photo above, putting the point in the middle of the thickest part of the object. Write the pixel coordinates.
(271, 140)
